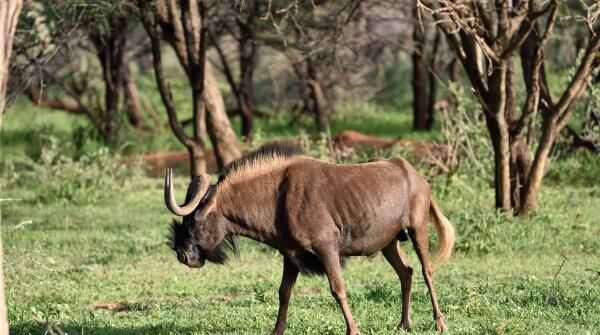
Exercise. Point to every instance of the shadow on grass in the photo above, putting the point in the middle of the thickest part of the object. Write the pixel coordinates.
(73, 328)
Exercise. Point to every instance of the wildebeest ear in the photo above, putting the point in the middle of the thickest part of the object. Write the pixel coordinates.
(209, 206)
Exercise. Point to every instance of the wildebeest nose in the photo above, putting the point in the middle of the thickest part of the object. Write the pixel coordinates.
(181, 257)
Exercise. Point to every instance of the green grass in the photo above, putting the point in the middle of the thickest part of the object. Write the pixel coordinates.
(60, 258)
(64, 256)
(24, 125)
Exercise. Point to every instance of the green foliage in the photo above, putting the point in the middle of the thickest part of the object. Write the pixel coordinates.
(57, 177)
(580, 167)
(466, 135)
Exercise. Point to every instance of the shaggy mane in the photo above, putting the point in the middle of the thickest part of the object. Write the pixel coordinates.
(265, 156)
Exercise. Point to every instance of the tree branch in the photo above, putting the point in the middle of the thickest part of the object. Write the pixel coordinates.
(163, 87)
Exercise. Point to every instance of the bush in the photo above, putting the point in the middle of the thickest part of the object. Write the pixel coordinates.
(467, 136)
(54, 175)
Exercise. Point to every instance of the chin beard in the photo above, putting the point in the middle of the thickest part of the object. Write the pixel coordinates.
(220, 255)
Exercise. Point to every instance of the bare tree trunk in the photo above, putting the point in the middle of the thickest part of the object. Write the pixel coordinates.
(319, 102)
(498, 128)
(219, 128)
(132, 102)
(248, 56)
(433, 79)
(419, 78)
(9, 14)
(110, 49)
(454, 70)
(536, 173)
(188, 37)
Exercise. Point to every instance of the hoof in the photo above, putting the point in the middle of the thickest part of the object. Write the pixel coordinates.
(404, 325)
(440, 325)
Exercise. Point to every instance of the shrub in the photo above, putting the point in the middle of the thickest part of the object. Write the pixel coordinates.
(56, 176)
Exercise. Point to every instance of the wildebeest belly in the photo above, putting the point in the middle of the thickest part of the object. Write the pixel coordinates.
(370, 240)
(309, 263)
(366, 230)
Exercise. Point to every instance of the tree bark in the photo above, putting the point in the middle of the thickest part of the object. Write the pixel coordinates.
(210, 116)
(9, 14)
(219, 127)
(433, 79)
(192, 59)
(498, 129)
(319, 103)
(110, 49)
(419, 78)
(248, 57)
(132, 102)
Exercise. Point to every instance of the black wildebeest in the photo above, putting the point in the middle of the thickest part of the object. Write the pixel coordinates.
(316, 214)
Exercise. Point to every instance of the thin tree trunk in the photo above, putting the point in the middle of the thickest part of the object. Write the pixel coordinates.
(197, 160)
(248, 55)
(534, 179)
(511, 118)
(454, 70)
(219, 128)
(9, 13)
(319, 108)
(498, 129)
(433, 80)
(319, 103)
(150, 110)
(132, 102)
(111, 53)
(419, 78)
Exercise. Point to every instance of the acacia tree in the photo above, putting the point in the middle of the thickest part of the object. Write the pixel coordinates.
(79, 36)
(9, 13)
(498, 30)
(185, 28)
(319, 39)
(425, 68)
(243, 25)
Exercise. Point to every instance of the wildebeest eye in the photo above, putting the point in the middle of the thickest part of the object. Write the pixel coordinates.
(181, 257)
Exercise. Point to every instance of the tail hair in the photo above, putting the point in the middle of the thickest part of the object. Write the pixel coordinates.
(445, 232)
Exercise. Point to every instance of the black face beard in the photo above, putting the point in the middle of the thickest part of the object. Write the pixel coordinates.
(220, 254)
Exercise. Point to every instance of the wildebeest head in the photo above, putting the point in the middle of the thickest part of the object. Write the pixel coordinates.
(199, 236)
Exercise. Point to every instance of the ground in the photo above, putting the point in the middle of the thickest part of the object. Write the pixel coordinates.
(101, 266)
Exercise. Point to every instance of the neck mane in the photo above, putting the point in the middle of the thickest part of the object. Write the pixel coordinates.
(263, 160)
(245, 203)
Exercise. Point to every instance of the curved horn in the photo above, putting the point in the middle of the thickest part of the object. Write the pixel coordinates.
(198, 186)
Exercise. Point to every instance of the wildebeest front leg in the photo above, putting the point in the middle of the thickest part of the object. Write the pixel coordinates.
(290, 273)
(398, 261)
(331, 263)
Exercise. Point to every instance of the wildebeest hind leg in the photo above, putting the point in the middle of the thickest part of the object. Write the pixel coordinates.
(331, 264)
(290, 273)
(400, 264)
(419, 236)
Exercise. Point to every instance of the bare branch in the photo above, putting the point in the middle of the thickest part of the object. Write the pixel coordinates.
(163, 87)
(533, 94)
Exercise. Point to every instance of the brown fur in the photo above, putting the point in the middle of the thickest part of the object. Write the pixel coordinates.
(317, 213)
